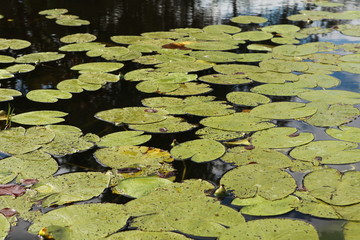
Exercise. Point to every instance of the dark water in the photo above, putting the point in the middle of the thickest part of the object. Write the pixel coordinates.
(132, 17)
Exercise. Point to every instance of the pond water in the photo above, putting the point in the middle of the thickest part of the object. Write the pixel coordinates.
(133, 17)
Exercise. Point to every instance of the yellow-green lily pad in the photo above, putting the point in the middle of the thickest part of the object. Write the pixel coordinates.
(247, 98)
(40, 57)
(169, 125)
(345, 133)
(98, 67)
(8, 94)
(123, 138)
(47, 95)
(78, 38)
(42, 117)
(248, 19)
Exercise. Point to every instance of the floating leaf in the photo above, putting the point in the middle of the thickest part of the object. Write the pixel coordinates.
(132, 115)
(258, 206)
(200, 150)
(6, 59)
(217, 134)
(4, 227)
(4, 74)
(169, 125)
(271, 229)
(237, 122)
(98, 67)
(8, 94)
(277, 65)
(211, 46)
(327, 152)
(331, 96)
(260, 47)
(248, 19)
(281, 28)
(162, 34)
(39, 117)
(40, 57)
(78, 38)
(85, 221)
(350, 67)
(284, 40)
(55, 11)
(266, 157)
(236, 68)
(215, 56)
(334, 187)
(285, 137)
(70, 187)
(225, 79)
(137, 187)
(71, 20)
(20, 68)
(255, 179)
(253, 36)
(183, 66)
(109, 53)
(222, 28)
(47, 95)
(332, 115)
(283, 110)
(81, 47)
(123, 138)
(211, 36)
(189, 88)
(272, 77)
(142, 235)
(15, 44)
(252, 57)
(247, 98)
(345, 133)
(12, 190)
(156, 87)
(76, 86)
(351, 230)
(294, 50)
(127, 39)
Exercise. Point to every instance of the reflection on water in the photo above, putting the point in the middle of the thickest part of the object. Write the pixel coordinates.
(132, 17)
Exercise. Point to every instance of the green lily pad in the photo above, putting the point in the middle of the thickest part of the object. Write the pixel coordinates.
(8, 94)
(183, 66)
(332, 115)
(294, 50)
(4, 227)
(265, 157)
(222, 28)
(350, 67)
(6, 59)
(132, 115)
(237, 122)
(218, 134)
(331, 96)
(137, 187)
(258, 206)
(190, 88)
(162, 34)
(215, 56)
(20, 68)
(272, 229)
(109, 53)
(253, 36)
(69, 140)
(32, 165)
(321, 80)
(76, 86)
(327, 152)
(211, 36)
(285, 40)
(236, 68)
(40, 57)
(283, 110)
(98, 78)
(70, 187)
(225, 79)
(211, 46)
(199, 150)
(15, 44)
(47, 95)
(17, 140)
(85, 221)
(127, 39)
(284, 137)
(81, 47)
(55, 11)
(281, 28)
(328, 4)
(78, 38)
(248, 19)
(156, 87)
(252, 57)
(247, 98)
(272, 77)
(98, 67)
(71, 20)
(21, 204)
(255, 179)
(260, 47)
(315, 30)
(42, 117)
(349, 29)
(345, 133)
(283, 66)
(169, 125)
(142, 235)
(351, 230)
(4, 74)
(334, 187)
(123, 138)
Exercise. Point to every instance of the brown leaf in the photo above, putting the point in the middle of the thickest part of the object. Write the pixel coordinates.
(12, 189)
(8, 212)
(29, 181)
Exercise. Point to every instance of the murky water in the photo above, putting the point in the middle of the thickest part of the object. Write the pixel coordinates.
(132, 17)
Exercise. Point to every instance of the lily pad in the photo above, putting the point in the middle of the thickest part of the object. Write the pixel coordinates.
(248, 19)
(183, 66)
(258, 206)
(218, 134)
(272, 77)
(285, 40)
(283, 110)
(15, 44)
(55, 11)
(98, 67)
(123, 138)
(132, 115)
(331, 96)
(6, 59)
(283, 66)
(253, 36)
(236, 68)
(215, 56)
(334, 187)
(81, 47)
(247, 98)
(70, 187)
(252, 57)
(200, 150)
(345, 133)
(85, 221)
(271, 229)
(76, 86)
(156, 87)
(42, 117)
(40, 57)
(109, 53)
(4, 227)
(4, 74)
(190, 88)
(328, 152)
(222, 28)
(78, 38)
(47, 95)
(163, 34)
(294, 50)
(71, 20)
(255, 179)
(237, 122)
(226, 79)
(262, 156)
(281, 28)
(142, 235)
(20, 68)
(98, 78)
(137, 187)
(350, 67)
(280, 137)
(8, 94)
(351, 230)
(169, 125)
(211, 46)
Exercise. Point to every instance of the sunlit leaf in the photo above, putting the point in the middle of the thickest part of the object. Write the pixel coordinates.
(272, 77)
(109, 53)
(294, 50)
(8, 94)
(331, 96)
(98, 78)
(20, 68)
(183, 66)
(200, 150)
(143, 235)
(190, 88)
(281, 28)
(247, 98)
(218, 134)
(4, 227)
(78, 38)
(253, 36)
(214, 46)
(55, 11)
(225, 79)
(169, 125)
(236, 68)
(76, 86)
(248, 19)
(40, 57)
(351, 230)
(123, 138)
(215, 56)
(98, 67)
(345, 133)
(15, 44)
(4, 74)
(42, 117)
(6, 59)
(81, 47)
(66, 20)
(277, 65)
(47, 95)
